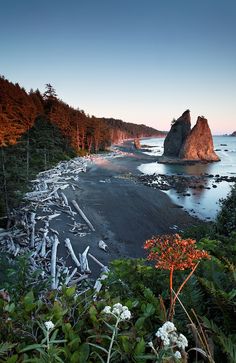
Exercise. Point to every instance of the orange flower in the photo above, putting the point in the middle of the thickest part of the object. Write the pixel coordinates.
(173, 252)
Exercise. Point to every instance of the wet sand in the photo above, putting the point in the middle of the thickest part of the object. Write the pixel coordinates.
(123, 211)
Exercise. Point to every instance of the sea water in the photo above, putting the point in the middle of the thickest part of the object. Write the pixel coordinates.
(203, 203)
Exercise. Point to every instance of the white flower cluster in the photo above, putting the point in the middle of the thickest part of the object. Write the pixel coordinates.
(167, 333)
(49, 325)
(178, 355)
(119, 311)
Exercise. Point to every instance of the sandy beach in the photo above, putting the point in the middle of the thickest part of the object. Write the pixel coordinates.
(123, 211)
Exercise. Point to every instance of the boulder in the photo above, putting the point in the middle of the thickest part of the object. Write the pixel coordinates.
(177, 135)
(199, 143)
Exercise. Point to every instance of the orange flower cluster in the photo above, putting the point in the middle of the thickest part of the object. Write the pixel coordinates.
(171, 252)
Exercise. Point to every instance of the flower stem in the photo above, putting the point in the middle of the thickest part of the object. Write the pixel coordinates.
(184, 282)
(171, 296)
(112, 340)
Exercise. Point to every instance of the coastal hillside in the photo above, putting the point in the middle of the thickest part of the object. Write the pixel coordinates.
(38, 130)
(19, 110)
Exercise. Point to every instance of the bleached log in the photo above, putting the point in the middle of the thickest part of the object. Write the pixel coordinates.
(76, 281)
(53, 261)
(53, 216)
(4, 234)
(62, 187)
(32, 221)
(83, 215)
(84, 261)
(17, 250)
(96, 260)
(70, 277)
(98, 283)
(54, 231)
(71, 251)
(64, 198)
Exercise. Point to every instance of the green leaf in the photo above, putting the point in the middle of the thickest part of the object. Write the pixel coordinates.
(31, 347)
(10, 307)
(139, 323)
(70, 291)
(5, 348)
(93, 314)
(98, 347)
(140, 347)
(81, 355)
(29, 301)
(12, 359)
(126, 343)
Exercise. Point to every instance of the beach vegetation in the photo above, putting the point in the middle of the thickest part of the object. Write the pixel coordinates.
(129, 321)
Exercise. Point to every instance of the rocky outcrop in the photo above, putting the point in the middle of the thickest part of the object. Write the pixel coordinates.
(233, 134)
(199, 143)
(183, 144)
(177, 135)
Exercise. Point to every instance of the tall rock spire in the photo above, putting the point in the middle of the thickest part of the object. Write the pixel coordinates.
(199, 143)
(177, 135)
(185, 144)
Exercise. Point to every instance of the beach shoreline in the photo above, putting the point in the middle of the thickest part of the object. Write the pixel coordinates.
(124, 212)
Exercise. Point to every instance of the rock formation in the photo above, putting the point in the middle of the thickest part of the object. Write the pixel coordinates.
(233, 134)
(182, 143)
(177, 135)
(137, 144)
(199, 143)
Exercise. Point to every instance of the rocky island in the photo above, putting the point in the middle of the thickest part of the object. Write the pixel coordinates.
(185, 144)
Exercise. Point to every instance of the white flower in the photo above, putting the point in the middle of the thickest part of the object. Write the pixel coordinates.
(182, 342)
(150, 344)
(168, 326)
(177, 355)
(49, 325)
(120, 311)
(126, 315)
(173, 337)
(107, 310)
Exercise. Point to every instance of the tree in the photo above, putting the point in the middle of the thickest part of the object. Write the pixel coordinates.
(50, 92)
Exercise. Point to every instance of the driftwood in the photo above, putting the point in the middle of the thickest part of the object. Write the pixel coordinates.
(53, 261)
(98, 283)
(71, 251)
(96, 260)
(84, 261)
(31, 231)
(83, 215)
(64, 198)
(32, 220)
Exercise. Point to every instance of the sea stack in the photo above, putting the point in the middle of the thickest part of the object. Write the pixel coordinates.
(199, 143)
(184, 144)
(177, 135)
(137, 144)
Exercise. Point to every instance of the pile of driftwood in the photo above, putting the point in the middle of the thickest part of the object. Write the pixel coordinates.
(32, 233)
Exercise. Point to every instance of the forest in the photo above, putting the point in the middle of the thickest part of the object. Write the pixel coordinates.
(38, 130)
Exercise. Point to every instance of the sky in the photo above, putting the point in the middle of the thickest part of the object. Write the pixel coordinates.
(142, 61)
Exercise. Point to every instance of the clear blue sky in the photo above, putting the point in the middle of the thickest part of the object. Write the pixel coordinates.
(144, 61)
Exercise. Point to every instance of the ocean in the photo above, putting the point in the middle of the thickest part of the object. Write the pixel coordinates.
(203, 203)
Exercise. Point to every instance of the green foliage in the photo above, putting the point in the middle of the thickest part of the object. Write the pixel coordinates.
(226, 218)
